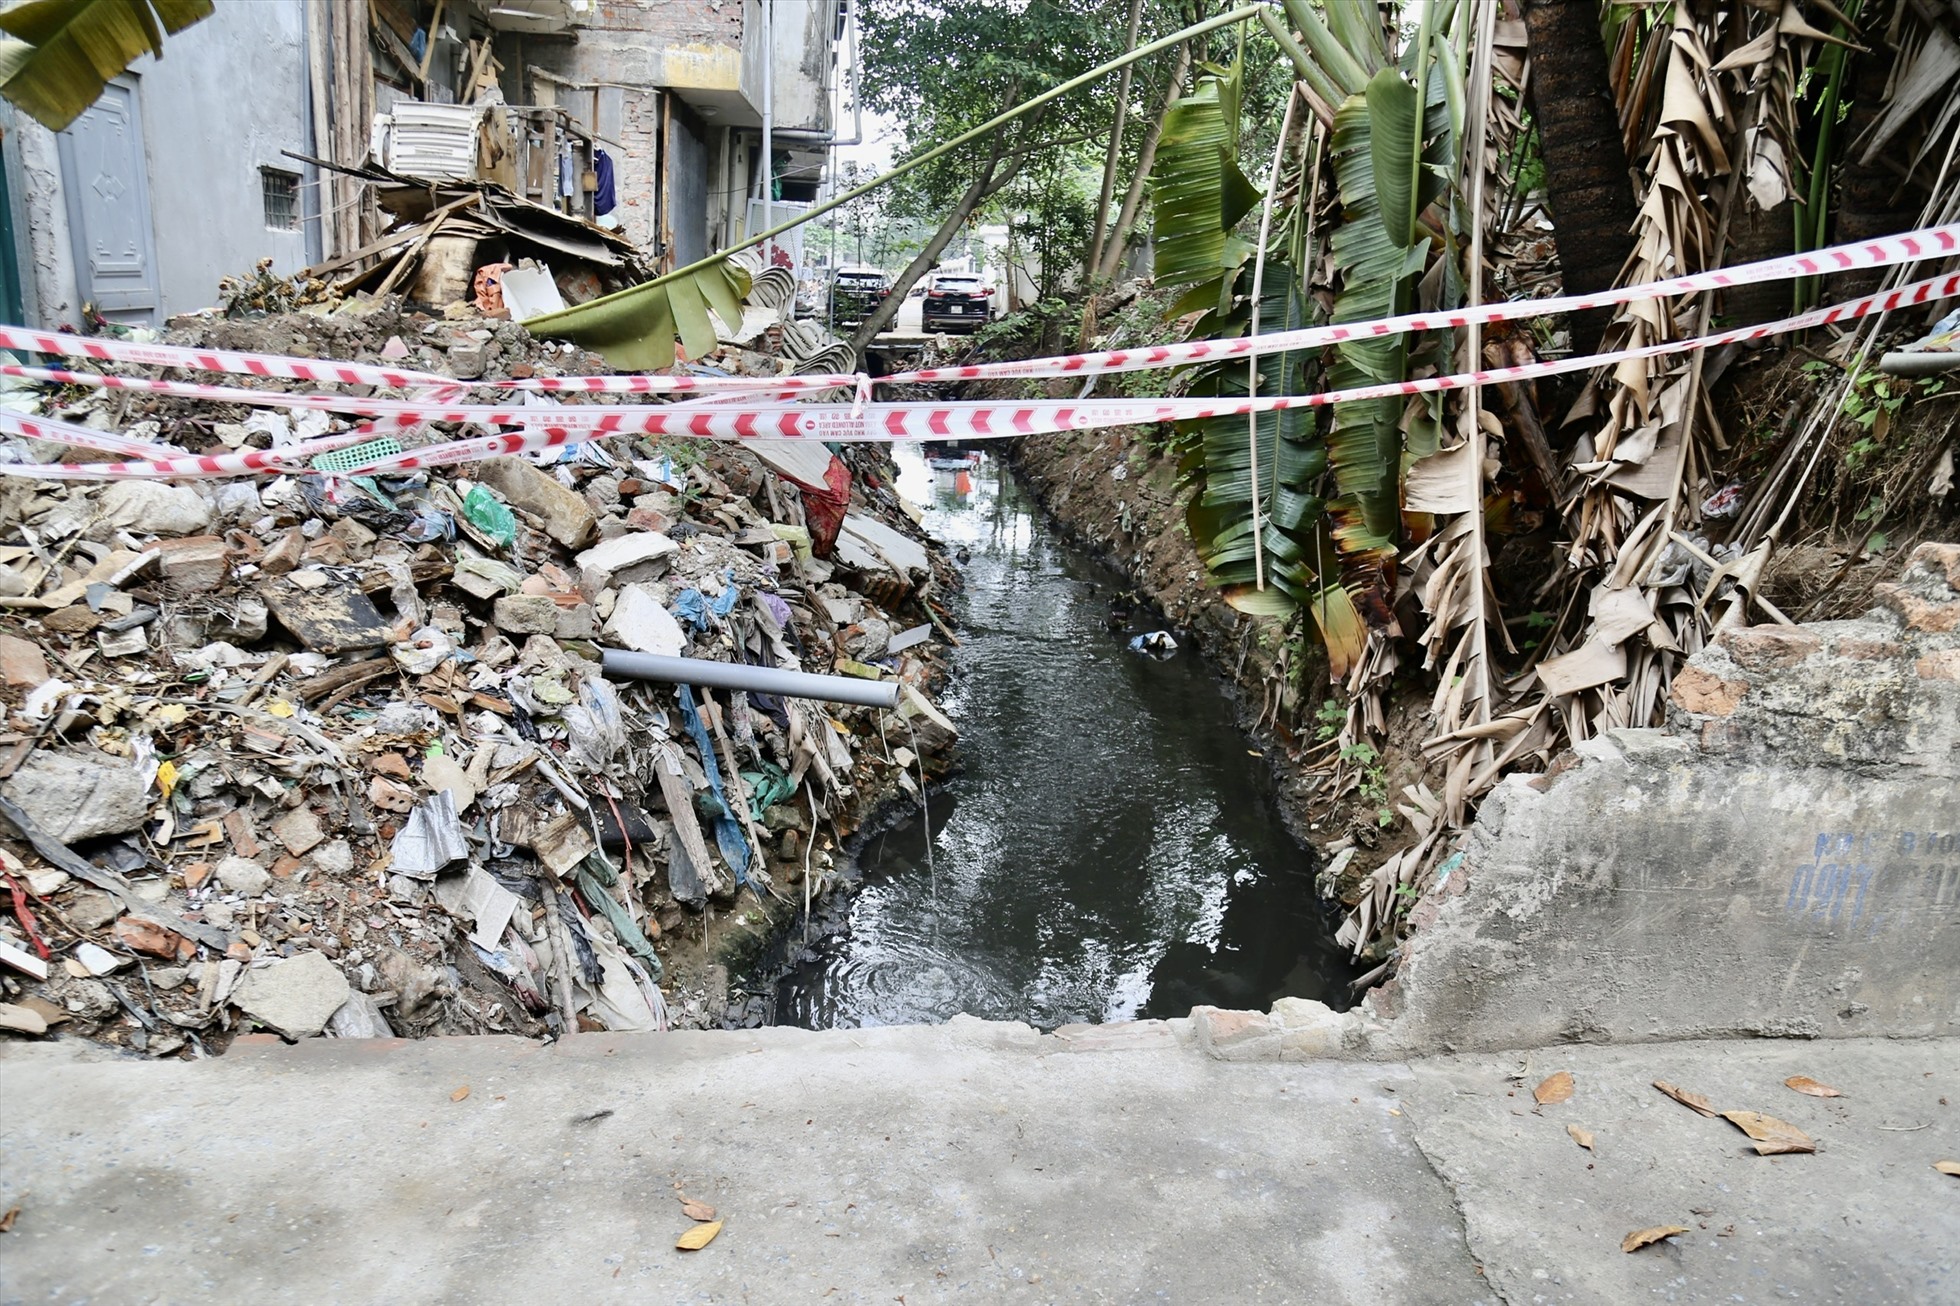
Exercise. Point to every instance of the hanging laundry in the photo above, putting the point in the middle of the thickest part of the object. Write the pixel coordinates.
(603, 200)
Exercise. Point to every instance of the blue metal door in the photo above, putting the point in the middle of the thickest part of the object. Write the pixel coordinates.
(107, 184)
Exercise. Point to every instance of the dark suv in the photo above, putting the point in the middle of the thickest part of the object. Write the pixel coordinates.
(957, 301)
(855, 294)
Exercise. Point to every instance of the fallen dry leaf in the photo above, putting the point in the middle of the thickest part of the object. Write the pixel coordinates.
(1772, 1136)
(13, 1213)
(694, 1210)
(460, 1093)
(698, 1237)
(1639, 1238)
(1583, 1137)
(1693, 1101)
(1557, 1088)
(1944, 1167)
(1805, 1084)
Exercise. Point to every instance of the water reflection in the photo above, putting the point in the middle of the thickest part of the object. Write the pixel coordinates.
(1110, 850)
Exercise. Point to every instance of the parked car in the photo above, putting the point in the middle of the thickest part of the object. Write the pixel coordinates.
(855, 293)
(957, 301)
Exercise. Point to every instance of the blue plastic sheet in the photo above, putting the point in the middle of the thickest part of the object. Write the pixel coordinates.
(729, 838)
(694, 607)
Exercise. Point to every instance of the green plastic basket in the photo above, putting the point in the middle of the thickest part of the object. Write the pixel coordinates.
(346, 460)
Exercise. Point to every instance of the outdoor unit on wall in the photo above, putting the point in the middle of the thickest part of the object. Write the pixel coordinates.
(435, 141)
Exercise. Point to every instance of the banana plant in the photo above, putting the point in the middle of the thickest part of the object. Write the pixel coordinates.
(1392, 149)
(61, 53)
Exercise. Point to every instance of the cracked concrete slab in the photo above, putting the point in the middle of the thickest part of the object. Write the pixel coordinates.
(963, 1162)
(1865, 1219)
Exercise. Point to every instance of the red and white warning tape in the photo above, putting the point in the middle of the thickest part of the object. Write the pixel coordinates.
(1907, 247)
(105, 349)
(553, 427)
(1930, 242)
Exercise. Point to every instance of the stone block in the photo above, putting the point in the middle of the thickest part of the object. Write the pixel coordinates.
(1766, 648)
(1917, 611)
(242, 875)
(76, 796)
(577, 621)
(1705, 693)
(299, 829)
(1941, 665)
(297, 996)
(567, 518)
(1936, 558)
(525, 614)
(195, 563)
(1236, 1035)
(1309, 1029)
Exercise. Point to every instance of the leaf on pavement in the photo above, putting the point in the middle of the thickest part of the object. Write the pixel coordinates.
(460, 1093)
(1772, 1136)
(1805, 1084)
(1944, 1167)
(694, 1210)
(1693, 1101)
(1583, 1137)
(1557, 1088)
(1639, 1238)
(698, 1237)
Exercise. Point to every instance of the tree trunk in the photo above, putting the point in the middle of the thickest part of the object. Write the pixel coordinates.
(1119, 235)
(1092, 258)
(1586, 176)
(993, 176)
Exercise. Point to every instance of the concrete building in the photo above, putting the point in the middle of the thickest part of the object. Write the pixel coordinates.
(185, 170)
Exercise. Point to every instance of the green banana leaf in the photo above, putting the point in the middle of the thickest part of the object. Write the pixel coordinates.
(1199, 193)
(63, 52)
(634, 329)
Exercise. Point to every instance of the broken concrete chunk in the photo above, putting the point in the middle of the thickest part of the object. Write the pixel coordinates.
(242, 875)
(567, 518)
(299, 830)
(525, 614)
(80, 795)
(331, 617)
(640, 621)
(296, 997)
(153, 508)
(598, 563)
(195, 563)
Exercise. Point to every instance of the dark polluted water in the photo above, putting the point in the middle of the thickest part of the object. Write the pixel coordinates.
(1111, 849)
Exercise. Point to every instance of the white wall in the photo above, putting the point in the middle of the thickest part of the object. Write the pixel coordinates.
(228, 95)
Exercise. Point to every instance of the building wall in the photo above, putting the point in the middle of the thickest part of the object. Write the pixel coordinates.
(229, 94)
(804, 64)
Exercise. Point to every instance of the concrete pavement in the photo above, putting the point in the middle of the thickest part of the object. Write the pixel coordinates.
(970, 1161)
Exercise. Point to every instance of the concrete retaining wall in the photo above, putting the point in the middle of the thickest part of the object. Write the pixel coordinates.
(1783, 859)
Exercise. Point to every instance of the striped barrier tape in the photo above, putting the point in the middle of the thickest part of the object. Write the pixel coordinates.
(571, 425)
(106, 349)
(1907, 247)
(1930, 242)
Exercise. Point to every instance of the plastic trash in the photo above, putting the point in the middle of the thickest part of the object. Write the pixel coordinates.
(490, 515)
(1156, 643)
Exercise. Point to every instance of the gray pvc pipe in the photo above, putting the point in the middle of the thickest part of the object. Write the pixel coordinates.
(624, 665)
(1916, 362)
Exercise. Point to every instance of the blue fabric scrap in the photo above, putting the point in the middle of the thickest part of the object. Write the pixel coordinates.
(729, 838)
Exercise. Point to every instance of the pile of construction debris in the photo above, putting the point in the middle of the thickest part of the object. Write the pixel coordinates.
(317, 753)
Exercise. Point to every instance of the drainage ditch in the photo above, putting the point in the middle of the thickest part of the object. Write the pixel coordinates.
(1111, 848)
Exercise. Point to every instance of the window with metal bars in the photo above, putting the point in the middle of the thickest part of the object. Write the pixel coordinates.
(280, 190)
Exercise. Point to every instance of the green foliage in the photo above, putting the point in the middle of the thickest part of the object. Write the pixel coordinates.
(63, 52)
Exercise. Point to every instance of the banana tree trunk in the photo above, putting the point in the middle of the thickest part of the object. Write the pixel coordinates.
(1586, 177)
(1871, 199)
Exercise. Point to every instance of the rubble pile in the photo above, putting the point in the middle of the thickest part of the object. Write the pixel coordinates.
(316, 754)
